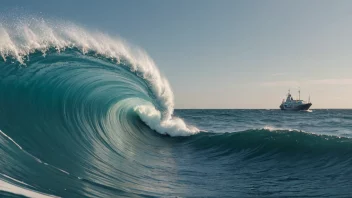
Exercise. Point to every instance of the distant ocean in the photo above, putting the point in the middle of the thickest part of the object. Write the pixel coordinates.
(85, 115)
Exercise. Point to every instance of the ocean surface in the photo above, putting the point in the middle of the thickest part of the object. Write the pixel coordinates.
(83, 114)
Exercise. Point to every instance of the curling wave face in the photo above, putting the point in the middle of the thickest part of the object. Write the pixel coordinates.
(23, 39)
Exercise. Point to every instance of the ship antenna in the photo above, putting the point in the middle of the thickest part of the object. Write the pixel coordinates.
(299, 94)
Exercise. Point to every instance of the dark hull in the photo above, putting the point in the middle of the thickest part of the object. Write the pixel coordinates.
(302, 107)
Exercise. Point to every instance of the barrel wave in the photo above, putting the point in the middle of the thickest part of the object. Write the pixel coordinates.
(83, 114)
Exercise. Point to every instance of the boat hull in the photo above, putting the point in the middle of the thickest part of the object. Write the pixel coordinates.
(302, 107)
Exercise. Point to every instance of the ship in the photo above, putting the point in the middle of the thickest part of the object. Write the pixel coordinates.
(291, 104)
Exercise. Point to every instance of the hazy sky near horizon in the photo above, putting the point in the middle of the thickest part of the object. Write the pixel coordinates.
(227, 53)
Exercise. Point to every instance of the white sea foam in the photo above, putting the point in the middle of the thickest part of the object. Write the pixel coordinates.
(173, 127)
(271, 128)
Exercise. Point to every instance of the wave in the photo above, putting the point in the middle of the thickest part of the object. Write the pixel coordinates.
(88, 99)
(83, 114)
(23, 40)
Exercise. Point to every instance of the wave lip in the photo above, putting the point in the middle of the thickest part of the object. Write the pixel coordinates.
(22, 38)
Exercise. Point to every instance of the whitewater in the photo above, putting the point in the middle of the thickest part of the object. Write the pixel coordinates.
(85, 114)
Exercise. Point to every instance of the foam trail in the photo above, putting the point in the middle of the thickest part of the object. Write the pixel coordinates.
(11, 140)
(5, 186)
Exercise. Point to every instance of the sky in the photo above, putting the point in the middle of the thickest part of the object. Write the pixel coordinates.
(228, 53)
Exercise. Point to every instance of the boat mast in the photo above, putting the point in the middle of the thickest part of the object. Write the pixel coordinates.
(299, 94)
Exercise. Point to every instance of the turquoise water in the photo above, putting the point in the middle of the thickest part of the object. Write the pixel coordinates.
(83, 115)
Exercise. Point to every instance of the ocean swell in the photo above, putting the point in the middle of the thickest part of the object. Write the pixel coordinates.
(82, 114)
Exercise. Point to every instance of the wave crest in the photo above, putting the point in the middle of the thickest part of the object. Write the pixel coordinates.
(21, 38)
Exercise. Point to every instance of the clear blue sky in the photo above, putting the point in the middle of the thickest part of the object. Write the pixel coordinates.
(229, 54)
